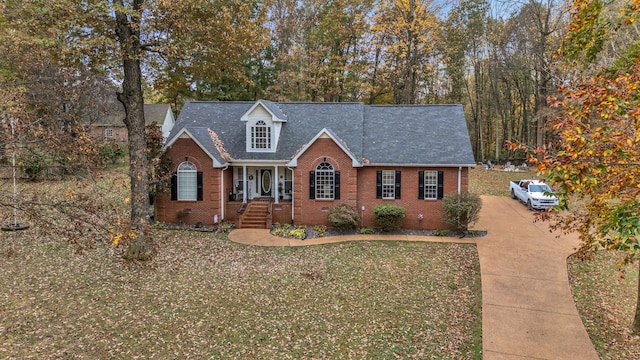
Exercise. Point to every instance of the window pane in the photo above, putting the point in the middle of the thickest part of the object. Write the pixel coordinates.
(325, 181)
(187, 181)
(261, 136)
(388, 184)
(430, 184)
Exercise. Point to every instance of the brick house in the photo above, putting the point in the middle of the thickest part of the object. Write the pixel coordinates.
(110, 125)
(260, 162)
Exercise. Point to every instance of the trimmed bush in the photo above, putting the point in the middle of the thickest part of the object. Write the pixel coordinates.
(344, 216)
(461, 210)
(389, 217)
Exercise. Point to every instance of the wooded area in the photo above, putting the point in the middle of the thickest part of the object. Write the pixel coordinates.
(495, 57)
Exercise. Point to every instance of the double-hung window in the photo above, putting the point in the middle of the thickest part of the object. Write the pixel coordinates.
(261, 136)
(388, 184)
(108, 133)
(430, 184)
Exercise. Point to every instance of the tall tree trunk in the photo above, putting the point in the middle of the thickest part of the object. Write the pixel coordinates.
(142, 247)
(635, 328)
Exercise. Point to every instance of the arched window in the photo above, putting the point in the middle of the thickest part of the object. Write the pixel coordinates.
(261, 136)
(325, 181)
(187, 181)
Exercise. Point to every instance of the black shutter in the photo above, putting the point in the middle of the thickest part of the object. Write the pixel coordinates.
(378, 184)
(421, 185)
(336, 187)
(440, 184)
(174, 187)
(312, 184)
(397, 184)
(199, 185)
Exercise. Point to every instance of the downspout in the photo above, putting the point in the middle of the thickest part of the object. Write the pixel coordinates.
(275, 184)
(459, 179)
(222, 192)
(293, 195)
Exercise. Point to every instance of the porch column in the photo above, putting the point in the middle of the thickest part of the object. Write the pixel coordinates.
(244, 183)
(276, 185)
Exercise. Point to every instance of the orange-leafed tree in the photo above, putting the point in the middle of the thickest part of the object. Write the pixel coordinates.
(593, 160)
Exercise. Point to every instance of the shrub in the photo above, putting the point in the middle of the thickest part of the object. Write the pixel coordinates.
(344, 216)
(279, 232)
(111, 152)
(439, 233)
(320, 230)
(460, 210)
(225, 227)
(33, 165)
(389, 217)
(299, 232)
(367, 230)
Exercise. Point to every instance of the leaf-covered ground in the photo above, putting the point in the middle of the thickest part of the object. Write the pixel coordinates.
(205, 297)
(606, 302)
(494, 182)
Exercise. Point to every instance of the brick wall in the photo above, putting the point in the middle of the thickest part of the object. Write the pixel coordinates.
(431, 210)
(314, 212)
(358, 188)
(200, 211)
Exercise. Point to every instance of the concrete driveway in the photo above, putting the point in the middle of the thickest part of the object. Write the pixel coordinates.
(528, 310)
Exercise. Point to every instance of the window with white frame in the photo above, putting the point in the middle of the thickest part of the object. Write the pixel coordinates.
(261, 136)
(388, 184)
(431, 185)
(108, 133)
(325, 181)
(187, 181)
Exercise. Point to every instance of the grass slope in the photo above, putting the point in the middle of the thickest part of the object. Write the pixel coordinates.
(205, 297)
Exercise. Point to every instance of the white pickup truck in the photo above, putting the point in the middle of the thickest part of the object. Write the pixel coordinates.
(534, 193)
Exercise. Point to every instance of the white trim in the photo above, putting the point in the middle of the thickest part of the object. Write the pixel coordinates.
(274, 118)
(324, 131)
(184, 131)
(419, 165)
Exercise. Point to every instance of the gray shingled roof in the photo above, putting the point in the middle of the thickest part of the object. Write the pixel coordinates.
(115, 115)
(403, 135)
(155, 112)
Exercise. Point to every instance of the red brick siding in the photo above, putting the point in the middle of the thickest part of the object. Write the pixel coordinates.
(430, 209)
(201, 211)
(281, 212)
(119, 133)
(358, 188)
(314, 212)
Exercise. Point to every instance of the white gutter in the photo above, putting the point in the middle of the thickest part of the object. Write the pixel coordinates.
(222, 193)
(293, 194)
(459, 178)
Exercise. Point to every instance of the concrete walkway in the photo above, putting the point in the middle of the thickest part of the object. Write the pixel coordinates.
(527, 307)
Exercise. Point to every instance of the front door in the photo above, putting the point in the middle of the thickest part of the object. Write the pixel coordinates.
(266, 182)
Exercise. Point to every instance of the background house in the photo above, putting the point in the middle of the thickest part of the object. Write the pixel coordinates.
(257, 162)
(110, 125)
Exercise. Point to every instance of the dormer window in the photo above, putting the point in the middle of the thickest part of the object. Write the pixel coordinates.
(260, 136)
(263, 123)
